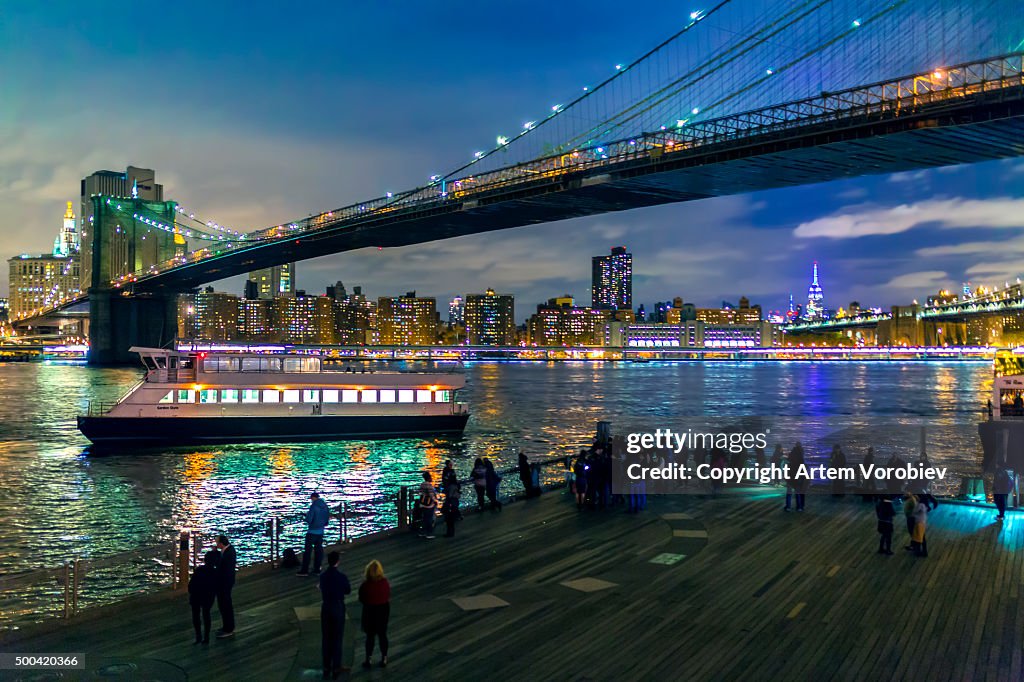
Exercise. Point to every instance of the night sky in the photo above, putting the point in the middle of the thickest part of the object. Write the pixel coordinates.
(257, 116)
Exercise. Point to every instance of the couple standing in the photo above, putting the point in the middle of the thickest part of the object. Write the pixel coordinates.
(214, 580)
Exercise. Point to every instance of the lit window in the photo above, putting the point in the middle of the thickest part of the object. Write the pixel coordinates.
(250, 395)
(350, 395)
(271, 396)
(423, 396)
(208, 395)
(229, 395)
(186, 395)
(291, 395)
(330, 395)
(405, 395)
(387, 395)
(444, 396)
(168, 397)
(310, 395)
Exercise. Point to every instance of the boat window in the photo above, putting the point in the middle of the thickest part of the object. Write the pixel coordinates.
(405, 395)
(350, 396)
(161, 362)
(291, 395)
(310, 395)
(208, 395)
(369, 395)
(229, 395)
(271, 395)
(168, 397)
(250, 364)
(250, 395)
(387, 395)
(302, 364)
(261, 364)
(186, 395)
(424, 395)
(220, 364)
(148, 362)
(443, 396)
(330, 395)
(186, 363)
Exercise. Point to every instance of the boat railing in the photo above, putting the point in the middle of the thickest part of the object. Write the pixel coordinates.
(98, 408)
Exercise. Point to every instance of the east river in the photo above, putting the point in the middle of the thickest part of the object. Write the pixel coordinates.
(57, 501)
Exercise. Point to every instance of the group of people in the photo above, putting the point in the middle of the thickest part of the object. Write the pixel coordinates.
(375, 597)
(916, 507)
(485, 480)
(213, 581)
(589, 476)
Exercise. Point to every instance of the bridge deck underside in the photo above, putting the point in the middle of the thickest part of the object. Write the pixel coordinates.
(981, 128)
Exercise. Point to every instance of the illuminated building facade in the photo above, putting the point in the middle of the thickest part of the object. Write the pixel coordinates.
(216, 315)
(561, 323)
(692, 334)
(815, 309)
(490, 319)
(357, 320)
(134, 183)
(457, 312)
(304, 319)
(44, 281)
(407, 320)
(270, 283)
(612, 280)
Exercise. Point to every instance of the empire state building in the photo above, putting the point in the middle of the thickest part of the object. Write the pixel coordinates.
(815, 309)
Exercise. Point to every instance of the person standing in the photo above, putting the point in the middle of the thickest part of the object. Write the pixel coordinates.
(448, 477)
(428, 506)
(375, 596)
(479, 477)
(202, 591)
(582, 478)
(493, 480)
(333, 586)
(525, 476)
(225, 583)
(796, 482)
(1001, 488)
(450, 511)
(920, 540)
(837, 463)
(909, 502)
(317, 518)
(885, 514)
(868, 482)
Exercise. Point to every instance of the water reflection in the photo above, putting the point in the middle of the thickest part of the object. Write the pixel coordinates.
(58, 502)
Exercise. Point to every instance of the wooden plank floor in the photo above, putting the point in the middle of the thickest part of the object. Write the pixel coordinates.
(741, 590)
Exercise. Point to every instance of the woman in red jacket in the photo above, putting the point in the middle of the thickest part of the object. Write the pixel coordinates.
(375, 596)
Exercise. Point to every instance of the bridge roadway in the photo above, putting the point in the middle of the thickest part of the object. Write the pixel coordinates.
(692, 588)
(842, 135)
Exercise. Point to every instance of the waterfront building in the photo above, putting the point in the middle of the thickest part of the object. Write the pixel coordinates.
(559, 322)
(133, 183)
(457, 312)
(303, 319)
(216, 315)
(407, 320)
(45, 280)
(744, 314)
(612, 280)
(272, 282)
(4, 310)
(815, 309)
(490, 319)
(692, 334)
(356, 319)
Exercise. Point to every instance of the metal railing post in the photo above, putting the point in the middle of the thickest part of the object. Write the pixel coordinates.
(277, 536)
(195, 550)
(181, 561)
(403, 508)
(344, 523)
(67, 589)
(74, 586)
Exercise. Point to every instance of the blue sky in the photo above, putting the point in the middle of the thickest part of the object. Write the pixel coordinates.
(256, 116)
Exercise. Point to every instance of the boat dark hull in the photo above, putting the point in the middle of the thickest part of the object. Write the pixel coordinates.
(152, 431)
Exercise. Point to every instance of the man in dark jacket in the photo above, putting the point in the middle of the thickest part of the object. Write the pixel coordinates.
(334, 586)
(202, 590)
(317, 517)
(225, 583)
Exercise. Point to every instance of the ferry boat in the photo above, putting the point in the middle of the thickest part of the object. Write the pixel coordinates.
(191, 397)
(1002, 434)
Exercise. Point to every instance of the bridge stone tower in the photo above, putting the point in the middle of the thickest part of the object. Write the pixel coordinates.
(129, 235)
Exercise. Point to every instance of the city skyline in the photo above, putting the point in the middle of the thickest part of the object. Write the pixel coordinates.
(886, 239)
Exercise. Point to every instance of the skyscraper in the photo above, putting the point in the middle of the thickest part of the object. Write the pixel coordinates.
(457, 312)
(612, 280)
(275, 281)
(44, 281)
(490, 319)
(66, 243)
(407, 320)
(815, 298)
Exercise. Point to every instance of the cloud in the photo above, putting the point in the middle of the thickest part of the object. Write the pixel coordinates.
(909, 176)
(868, 220)
(1015, 245)
(926, 279)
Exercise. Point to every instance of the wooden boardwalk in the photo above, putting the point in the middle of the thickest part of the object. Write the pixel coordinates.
(699, 589)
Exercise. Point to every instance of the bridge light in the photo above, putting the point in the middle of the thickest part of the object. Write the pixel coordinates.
(856, 23)
(695, 111)
(478, 155)
(939, 75)
(556, 108)
(502, 140)
(529, 125)
(768, 72)
(586, 89)
(389, 195)
(618, 67)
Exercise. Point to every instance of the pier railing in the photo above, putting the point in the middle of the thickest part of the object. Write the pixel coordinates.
(82, 582)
